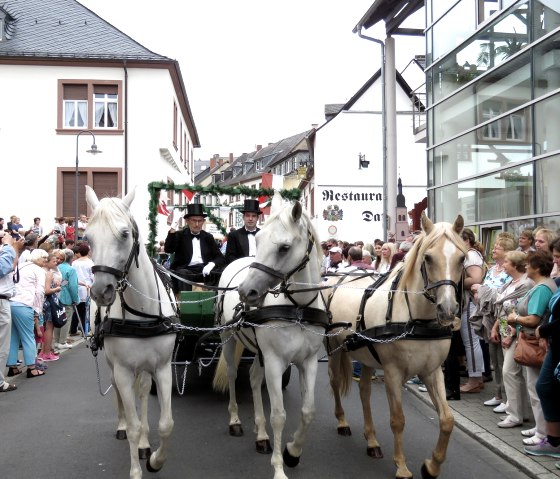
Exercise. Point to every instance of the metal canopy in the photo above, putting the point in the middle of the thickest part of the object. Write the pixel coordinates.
(393, 13)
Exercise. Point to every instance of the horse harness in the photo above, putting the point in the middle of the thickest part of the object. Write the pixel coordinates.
(153, 325)
(414, 329)
(245, 317)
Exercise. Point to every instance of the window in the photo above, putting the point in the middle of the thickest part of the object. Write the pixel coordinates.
(175, 125)
(90, 104)
(105, 182)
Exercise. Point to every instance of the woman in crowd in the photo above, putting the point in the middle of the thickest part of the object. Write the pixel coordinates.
(548, 386)
(530, 313)
(82, 265)
(68, 297)
(512, 374)
(495, 278)
(387, 252)
(474, 272)
(26, 306)
(52, 286)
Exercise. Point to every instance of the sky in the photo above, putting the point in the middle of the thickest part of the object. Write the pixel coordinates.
(257, 71)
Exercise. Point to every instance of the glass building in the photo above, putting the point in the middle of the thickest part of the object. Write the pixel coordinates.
(493, 114)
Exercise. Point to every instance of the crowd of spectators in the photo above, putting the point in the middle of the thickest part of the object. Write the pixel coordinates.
(39, 265)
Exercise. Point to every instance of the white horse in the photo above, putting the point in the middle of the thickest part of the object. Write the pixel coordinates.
(288, 326)
(135, 328)
(418, 313)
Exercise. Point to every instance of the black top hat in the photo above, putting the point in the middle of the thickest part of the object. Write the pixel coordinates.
(195, 209)
(251, 206)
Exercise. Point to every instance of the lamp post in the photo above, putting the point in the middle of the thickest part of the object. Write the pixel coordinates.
(93, 151)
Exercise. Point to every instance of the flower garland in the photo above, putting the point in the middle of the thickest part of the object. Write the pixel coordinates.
(155, 188)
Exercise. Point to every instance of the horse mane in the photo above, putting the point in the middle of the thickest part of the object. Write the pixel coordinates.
(284, 216)
(422, 243)
(108, 212)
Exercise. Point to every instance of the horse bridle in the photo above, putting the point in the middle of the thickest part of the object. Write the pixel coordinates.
(122, 275)
(284, 277)
(430, 286)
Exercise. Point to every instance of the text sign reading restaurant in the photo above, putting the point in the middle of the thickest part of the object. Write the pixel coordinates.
(350, 214)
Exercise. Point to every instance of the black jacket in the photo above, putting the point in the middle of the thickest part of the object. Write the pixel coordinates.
(237, 245)
(180, 243)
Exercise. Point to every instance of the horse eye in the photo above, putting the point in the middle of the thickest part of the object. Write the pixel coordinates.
(428, 259)
(284, 249)
(125, 234)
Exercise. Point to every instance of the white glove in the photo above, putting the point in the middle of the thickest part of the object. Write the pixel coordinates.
(209, 267)
(175, 219)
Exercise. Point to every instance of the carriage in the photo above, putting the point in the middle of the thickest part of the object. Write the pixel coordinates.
(199, 342)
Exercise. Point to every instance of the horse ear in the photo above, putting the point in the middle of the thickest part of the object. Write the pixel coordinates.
(127, 200)
(91, 197)
(276, 203)
(459, 224)
(296, 212)
(427, 225)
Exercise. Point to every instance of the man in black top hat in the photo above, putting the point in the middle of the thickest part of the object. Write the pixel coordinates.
(197, 257)
(241, 242)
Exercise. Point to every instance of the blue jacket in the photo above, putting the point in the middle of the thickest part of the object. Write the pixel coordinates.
(69, 291)
(7, 257)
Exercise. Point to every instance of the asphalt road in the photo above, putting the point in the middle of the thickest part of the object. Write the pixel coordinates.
(59, 426)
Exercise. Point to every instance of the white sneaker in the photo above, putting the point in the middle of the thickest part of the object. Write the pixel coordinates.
(500, 408)
(493, 402)
(534, 440)
(529, 432)
(64, 346)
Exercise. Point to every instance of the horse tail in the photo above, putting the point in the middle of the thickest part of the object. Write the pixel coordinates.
(340, 372)
(220, 383)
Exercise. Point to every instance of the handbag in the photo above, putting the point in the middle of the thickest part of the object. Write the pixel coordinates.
(530, 351)
(57, 310)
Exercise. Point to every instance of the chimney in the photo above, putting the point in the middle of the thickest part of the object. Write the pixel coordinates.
(212, 163)
(314, 125)
(230, 158)
(259, 147)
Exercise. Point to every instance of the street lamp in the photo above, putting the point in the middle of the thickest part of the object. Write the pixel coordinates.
(93, 151)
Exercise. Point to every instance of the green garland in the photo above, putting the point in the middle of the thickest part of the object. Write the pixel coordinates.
(155, 188)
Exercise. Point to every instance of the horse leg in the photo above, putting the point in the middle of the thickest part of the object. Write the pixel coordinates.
(121, 425)
(307, 377)
(436, 388)
(228, 350)
(163, 377)
(335, 371)
(262, 443)
(273, 371)
(124, 380)
(144, 385)
(393, 384)
(373, 447)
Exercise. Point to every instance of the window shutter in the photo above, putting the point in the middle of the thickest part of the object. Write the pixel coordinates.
(105, 184)
(75, 92)
(108, 89)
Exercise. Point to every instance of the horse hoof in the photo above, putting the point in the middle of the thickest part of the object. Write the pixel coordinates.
(344, 431)
(425, 473)
(149, 466)
(121, 434)
(375, 452)
(236, 430)
(263, 446)
(289, 460)
(144, 453)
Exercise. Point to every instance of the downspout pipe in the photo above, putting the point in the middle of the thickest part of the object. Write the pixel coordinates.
(125, 129)
(358, 30)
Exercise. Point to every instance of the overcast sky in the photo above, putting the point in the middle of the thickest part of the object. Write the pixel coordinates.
(257, 71)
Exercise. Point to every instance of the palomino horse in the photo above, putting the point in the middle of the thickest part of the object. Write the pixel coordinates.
(286, 327)
(403, 326)
(136, 330)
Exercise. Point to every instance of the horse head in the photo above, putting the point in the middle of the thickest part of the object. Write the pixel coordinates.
(113, 237)
(439, 255)
(284, 247)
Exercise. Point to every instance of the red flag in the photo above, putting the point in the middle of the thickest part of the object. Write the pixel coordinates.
(162, 208)
(263, 200)
(188, 194)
